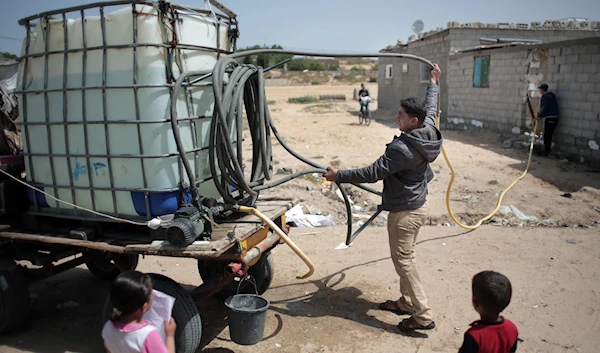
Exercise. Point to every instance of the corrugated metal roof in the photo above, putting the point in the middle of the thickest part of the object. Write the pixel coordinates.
(495, 46)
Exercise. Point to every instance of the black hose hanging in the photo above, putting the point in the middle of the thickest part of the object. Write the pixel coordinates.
(237, 86)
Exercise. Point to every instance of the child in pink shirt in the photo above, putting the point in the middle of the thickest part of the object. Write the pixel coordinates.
(126, 332)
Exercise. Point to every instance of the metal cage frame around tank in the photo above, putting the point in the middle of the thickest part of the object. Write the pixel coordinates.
(171, 47)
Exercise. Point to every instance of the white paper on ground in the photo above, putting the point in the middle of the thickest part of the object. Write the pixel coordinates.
(311, 221)
(343, 246)
(162, 308)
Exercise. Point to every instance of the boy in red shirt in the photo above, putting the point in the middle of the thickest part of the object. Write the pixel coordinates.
(493, 333)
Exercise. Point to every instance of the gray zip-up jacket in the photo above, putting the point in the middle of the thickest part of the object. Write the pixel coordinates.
(404, 167)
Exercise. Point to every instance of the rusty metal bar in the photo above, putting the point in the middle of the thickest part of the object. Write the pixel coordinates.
(49, 239)
(270, 241)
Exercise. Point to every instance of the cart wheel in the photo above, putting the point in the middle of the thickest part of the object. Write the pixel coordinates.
(185, 313)
(368, 118)
(108, 267)
(361, 117)
(14, 299)
(263, 272)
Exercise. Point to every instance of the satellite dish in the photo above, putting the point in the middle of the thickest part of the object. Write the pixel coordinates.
(418, 26)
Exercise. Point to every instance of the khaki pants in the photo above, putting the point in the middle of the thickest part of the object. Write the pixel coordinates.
(403, 228)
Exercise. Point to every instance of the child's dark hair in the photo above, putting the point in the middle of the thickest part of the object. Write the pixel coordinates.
(492, 290)
(414, 107)
(129, 292)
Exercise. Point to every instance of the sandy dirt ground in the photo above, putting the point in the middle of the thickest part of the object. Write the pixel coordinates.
(554, 270)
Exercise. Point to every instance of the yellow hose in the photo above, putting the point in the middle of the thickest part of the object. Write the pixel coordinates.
(452, 176)
(286, 239)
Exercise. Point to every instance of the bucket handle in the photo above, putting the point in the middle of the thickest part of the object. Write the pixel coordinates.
(250, 279)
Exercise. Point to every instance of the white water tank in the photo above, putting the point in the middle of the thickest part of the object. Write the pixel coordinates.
(96, 125)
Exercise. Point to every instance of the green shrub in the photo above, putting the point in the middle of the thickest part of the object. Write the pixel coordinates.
(303, 99)
(372, 79)
(315, 82)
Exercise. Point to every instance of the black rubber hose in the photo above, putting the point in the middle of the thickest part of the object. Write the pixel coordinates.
(245, 89)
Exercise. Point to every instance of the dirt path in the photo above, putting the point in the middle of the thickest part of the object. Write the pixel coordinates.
(555, 301)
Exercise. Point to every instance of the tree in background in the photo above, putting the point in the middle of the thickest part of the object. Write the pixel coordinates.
(8, 55)
(264, 60)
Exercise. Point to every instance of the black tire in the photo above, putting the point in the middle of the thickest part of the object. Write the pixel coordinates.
(185, 313)
(361, 117)
(14, 299)
(108, 268)
(263, 272)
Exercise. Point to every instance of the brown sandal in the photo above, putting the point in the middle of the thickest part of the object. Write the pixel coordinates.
(390, 305)
(411, 324)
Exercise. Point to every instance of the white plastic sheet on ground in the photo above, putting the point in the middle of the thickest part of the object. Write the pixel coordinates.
(506, 210)
(297, 216)
(162, 308)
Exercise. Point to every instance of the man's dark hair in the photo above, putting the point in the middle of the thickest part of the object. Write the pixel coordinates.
(544, 87)
(492, 291)
(414, 107)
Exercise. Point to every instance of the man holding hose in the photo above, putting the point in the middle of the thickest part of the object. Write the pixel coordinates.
(404, 169)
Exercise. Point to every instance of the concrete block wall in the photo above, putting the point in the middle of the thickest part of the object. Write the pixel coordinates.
(574, 75)
(498, 107)
(438, 48)
(572, 70)
(408, 84)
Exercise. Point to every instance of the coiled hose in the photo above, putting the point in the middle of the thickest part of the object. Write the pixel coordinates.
(237, 86)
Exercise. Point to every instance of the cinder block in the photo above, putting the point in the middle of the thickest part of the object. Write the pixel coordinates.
(583, 124)
(591, 116)
(592, 49)
(591, 68)
(574, 87)
(587, 87)
(560, 59)
(588, 134)
(572, 59)
(595, 126)
(583, 78)
(578, 68)
(593, 97)
(569, 140)
(585, 106)
(580, 49)
(585, 59)
(596, 107)
(566, 68)
(581, 142)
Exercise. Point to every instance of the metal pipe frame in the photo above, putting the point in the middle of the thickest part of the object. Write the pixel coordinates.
(169, 13)
(25, 21)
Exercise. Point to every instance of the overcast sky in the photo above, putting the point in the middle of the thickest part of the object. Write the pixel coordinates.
(327, 25)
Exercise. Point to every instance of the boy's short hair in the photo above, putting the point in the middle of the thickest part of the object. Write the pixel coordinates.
(414, 106)
(492, 290)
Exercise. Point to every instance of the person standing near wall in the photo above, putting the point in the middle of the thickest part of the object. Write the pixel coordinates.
(549, 114)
